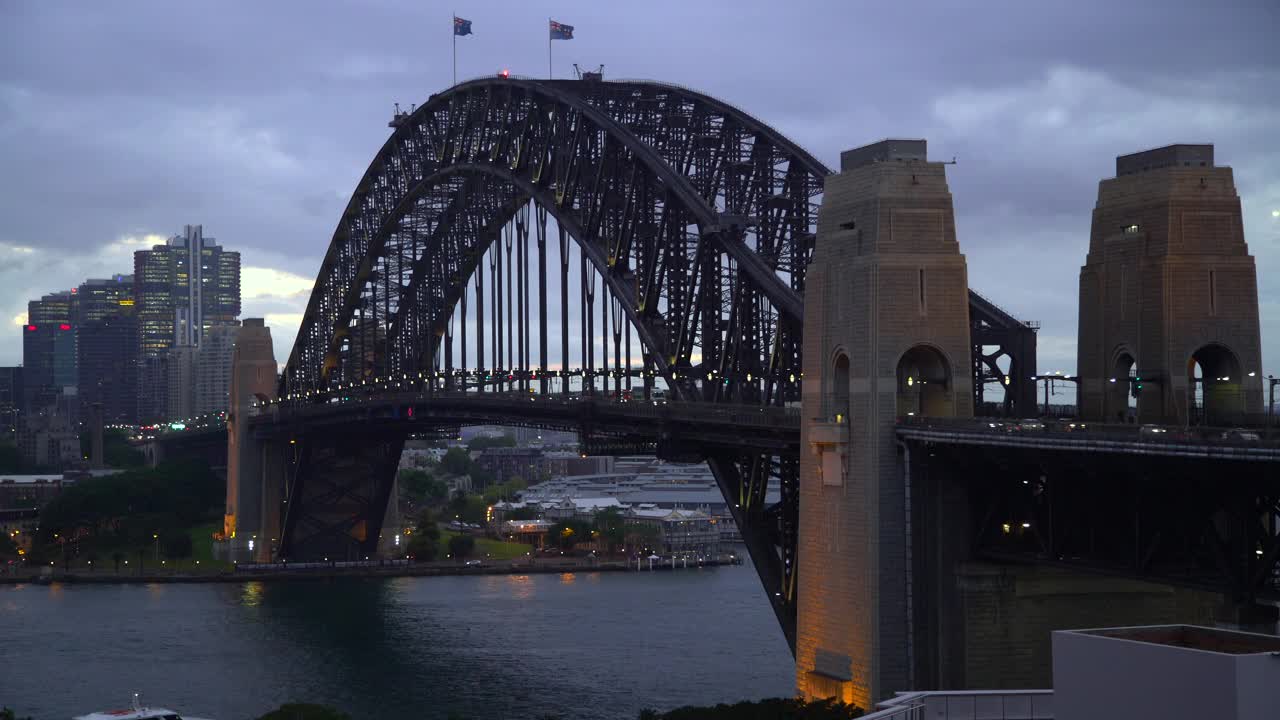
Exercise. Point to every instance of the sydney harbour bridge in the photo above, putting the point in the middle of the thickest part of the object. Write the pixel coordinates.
(630, 260)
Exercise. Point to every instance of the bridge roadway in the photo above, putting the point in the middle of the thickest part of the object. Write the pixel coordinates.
(674, 425)
(1072, 436)
(721, 425)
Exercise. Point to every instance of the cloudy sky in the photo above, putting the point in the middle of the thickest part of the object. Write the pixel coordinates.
(120, 122)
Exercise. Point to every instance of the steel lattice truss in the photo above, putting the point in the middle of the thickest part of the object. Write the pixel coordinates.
(700, 219)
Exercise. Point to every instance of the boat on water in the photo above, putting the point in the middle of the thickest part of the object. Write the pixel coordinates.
(137, 712)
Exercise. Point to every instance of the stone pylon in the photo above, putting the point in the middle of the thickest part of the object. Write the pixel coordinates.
(255, 470)
(886, 335)
(1169, 296)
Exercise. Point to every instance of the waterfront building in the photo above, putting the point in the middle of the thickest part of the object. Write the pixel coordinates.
(678, 533)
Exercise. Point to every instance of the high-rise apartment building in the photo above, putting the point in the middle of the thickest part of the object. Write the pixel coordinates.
(108, 366)
(182, 289)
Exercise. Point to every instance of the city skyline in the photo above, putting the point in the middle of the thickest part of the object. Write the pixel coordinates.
(1034, 120)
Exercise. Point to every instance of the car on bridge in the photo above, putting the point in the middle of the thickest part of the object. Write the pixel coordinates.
(1240, 435)
(1153, 431)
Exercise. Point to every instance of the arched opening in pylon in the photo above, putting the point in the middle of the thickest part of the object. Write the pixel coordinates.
(924, 383)
(1215, 395)
(1122, 405)
(839, 410)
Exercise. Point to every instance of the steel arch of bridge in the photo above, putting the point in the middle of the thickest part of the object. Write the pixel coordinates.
(700, 219)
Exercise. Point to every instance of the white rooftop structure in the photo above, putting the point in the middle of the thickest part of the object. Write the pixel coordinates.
(1170, 672)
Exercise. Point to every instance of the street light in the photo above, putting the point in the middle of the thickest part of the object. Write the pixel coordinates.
(1272, 381)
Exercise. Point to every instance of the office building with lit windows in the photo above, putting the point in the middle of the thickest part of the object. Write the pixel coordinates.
(97, 299)
(181, 289)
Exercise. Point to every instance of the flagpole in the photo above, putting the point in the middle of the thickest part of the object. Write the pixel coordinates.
(549, 48)
(454, 29)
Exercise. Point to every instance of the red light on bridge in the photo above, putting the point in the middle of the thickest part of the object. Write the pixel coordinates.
(31, 328)
(64, 326)
(504, 74)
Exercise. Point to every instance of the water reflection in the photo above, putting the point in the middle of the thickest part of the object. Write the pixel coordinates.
(521, 586)
(251, 594)
(477, 647)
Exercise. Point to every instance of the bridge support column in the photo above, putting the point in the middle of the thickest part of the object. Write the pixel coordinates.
(252, 469)
(886, 334)
(1169, 294)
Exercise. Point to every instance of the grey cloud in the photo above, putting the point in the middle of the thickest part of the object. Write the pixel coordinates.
(257, 119)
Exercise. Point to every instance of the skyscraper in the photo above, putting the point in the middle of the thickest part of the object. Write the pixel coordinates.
(10, 401)
(97, 299)
(48, 351)
(180, 368)
(108, 367)
(106, 326)
(182, 289)
(213, 369)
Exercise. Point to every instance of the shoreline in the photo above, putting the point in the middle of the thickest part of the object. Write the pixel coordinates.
(560, 567)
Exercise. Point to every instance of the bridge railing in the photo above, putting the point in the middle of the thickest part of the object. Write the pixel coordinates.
(1072, 429)
(732, 413)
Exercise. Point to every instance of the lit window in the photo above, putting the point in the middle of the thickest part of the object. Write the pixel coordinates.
(1130, 229)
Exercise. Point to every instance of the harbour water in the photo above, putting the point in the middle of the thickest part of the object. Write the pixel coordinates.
(581, 645)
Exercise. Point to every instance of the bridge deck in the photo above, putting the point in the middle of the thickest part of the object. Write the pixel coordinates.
(1074, 436)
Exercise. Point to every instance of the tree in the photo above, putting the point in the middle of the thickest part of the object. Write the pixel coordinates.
(642, 536)
(116, 451)
(456, 462)
(568, 533)
(7, 714)
(427, 524)
(612, 528)
(177, 545)
(421, 487)
(423, 548)
(8, 550)
(460, 546)
(468, 508)
(304, 711)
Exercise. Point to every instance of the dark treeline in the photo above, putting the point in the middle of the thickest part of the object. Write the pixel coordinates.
(130, 509)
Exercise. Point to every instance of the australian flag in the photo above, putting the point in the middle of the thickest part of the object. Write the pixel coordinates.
(460, 26)
(560, 31)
